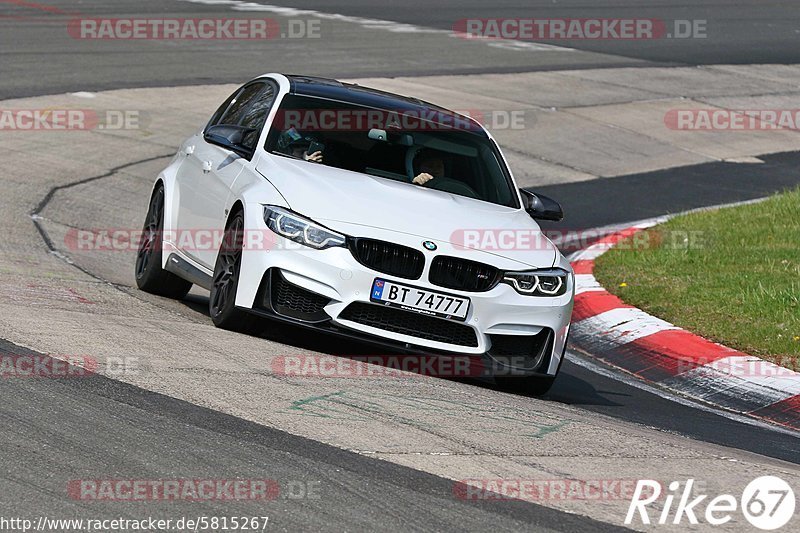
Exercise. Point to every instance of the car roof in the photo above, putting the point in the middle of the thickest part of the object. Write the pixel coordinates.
(366, 96)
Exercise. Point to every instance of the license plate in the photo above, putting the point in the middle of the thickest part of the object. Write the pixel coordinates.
(423, 301)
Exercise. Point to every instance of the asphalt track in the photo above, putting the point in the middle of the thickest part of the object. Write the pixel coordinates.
(37, 55)
(82, 427)
(598, 203)
(738, 32)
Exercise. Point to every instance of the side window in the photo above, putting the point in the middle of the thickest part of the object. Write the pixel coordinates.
(214, 120)
(247, 107)
(239, 104)
(256, 115)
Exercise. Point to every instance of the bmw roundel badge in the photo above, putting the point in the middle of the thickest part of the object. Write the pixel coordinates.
(429, 245)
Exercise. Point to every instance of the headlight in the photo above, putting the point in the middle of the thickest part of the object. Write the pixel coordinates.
(549, 282)
(300, 229)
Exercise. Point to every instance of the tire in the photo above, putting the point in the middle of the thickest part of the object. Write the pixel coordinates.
(150, 277)
(532, 385)
(222, 301)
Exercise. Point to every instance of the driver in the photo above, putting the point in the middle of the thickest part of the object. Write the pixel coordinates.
(430, 167)
(291, 142)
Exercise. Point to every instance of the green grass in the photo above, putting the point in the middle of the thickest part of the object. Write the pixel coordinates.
(730, 275)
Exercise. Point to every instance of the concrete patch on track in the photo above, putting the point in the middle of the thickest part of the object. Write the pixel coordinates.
(449, 428)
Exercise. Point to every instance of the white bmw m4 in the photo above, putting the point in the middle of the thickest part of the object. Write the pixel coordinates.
(366, 214)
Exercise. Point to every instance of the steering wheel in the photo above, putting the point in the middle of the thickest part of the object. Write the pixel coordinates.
(453, 186)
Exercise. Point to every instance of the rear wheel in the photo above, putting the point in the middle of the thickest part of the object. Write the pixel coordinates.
(150, 277)
(222, 301)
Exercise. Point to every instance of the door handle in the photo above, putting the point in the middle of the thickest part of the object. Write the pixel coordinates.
(207, 165)
(189, 150)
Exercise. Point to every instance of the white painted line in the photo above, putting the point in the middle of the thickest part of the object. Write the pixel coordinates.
(387, 25)
(745, 160)
(649, 223)
(624, 325)
(520, 46)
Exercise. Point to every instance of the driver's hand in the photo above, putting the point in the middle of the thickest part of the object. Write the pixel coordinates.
(422, 179)
(316, 157)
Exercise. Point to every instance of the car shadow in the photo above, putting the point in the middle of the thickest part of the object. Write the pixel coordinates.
(297, 336)
(568, 388)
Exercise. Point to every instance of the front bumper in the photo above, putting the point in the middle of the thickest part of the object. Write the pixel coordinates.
(333, 296)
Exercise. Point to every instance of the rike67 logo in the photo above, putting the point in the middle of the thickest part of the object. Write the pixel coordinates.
(767, 502)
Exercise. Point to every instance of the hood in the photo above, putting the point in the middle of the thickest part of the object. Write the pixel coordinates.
(341, 199)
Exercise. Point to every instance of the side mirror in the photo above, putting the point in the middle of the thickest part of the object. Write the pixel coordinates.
(540, 207)
(230, 137)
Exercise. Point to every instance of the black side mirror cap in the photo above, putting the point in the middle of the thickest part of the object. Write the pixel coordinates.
(229, 136)
(541, 207)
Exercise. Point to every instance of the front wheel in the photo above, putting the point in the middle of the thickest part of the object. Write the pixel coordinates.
(222, 301)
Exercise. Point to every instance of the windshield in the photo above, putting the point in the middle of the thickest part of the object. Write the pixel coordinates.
(440, 151)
